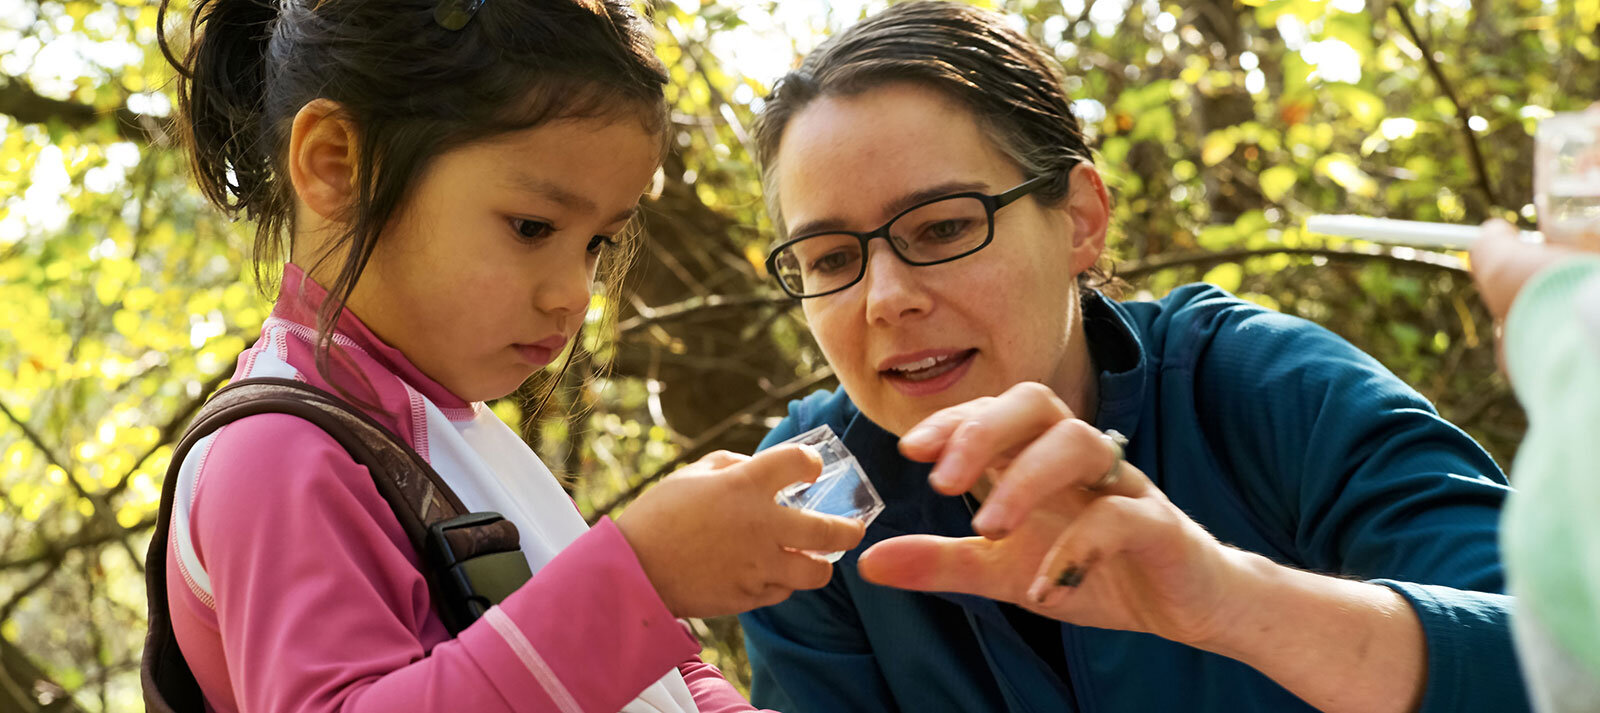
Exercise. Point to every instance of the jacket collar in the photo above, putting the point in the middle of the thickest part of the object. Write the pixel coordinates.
(299, 298)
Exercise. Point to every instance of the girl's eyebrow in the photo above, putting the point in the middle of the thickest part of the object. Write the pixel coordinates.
(565, 198)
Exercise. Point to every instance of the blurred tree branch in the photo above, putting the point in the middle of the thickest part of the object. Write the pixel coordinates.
(1480, 169)
(88, 537)
(26, 687)
(1415, 258)
(701, 444)
(22, 103)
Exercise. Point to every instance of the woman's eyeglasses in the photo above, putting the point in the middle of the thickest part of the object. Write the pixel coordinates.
(928, 233)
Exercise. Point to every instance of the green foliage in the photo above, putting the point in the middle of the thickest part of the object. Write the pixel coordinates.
(1220, 126)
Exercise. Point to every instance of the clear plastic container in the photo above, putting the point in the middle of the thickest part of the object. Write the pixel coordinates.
(842, 489)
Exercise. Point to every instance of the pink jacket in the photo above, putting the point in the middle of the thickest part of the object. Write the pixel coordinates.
(300, 591)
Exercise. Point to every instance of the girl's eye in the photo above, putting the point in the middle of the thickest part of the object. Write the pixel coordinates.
(530, 231)
(601, 242)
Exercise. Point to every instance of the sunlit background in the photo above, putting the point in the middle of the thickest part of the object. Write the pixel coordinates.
(1220, 125)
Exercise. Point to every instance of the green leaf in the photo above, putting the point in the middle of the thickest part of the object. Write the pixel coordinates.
(1347, 174)
(1276, 182)
(1154, 124)
(1218, 237)
(1352, 29)
(1363, 105)
(1228, 276)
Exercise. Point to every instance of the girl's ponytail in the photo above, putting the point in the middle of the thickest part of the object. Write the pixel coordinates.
(222, 99)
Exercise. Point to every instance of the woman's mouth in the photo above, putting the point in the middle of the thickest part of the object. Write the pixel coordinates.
(929, 374)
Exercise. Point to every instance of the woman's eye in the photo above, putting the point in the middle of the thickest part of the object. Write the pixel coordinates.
(833, 262)
(947, 229)
(601, 242)
(529, 231)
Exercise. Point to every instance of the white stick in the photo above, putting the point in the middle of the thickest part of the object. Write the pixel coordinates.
(1414, 233)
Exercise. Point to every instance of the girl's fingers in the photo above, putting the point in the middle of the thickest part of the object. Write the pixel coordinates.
(1070, 464)
(769, 595)
(817, 532)
(722, 459)
(773, 469)
(800, 570)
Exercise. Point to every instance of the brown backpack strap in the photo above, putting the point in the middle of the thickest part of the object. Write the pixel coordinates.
(470, 560)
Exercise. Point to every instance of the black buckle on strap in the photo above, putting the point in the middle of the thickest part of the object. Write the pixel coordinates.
(472, 583)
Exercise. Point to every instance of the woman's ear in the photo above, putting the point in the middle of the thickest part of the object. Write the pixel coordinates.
(322, 159)
(1088, 207)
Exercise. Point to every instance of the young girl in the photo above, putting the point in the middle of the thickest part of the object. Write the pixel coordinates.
(447, 176)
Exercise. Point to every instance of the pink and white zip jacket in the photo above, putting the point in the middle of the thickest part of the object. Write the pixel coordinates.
(300, 592)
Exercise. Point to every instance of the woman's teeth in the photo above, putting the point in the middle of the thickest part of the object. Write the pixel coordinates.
(928, 368)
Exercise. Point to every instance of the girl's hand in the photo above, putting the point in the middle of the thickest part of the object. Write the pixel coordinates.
(1062, 539)
(713, 541)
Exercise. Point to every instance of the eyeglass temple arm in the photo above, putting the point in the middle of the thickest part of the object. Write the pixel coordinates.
(1028, 186)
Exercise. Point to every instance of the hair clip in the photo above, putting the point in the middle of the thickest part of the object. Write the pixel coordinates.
(455, 14)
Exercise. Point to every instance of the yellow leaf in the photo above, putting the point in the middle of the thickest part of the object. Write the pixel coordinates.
(1276, 182)
(1344, 172)
(126, 322)
(1228, 276)
(757, 258)
(1217, 147)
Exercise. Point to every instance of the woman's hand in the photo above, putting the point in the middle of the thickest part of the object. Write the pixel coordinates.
(1065, 536)
(713, 541)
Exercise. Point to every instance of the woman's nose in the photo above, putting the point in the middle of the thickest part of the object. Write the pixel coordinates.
(893, 290)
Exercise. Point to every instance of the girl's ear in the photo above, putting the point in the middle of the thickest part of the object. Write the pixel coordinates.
(322, 159)
(1088, 208)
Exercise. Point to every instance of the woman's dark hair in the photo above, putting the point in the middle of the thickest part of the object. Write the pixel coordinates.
(1011, 84)
(412, 89)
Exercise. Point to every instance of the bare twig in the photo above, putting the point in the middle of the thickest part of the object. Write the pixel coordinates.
(1480, 169)
(693, 450)
(99, 503)
(79, 540)
(696, 305)
(1411, 258)
(33, 585)
(176, 424)
(22, 103)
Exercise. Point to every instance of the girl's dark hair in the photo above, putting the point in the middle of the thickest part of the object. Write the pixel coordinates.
(1011, 84)
(412, 89)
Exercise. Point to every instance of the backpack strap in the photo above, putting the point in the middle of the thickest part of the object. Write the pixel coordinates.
(470, 560)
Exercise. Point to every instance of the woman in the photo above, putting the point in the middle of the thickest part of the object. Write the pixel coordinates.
(1260, 449)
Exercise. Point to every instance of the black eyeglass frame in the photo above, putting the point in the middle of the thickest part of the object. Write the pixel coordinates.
(992, 203)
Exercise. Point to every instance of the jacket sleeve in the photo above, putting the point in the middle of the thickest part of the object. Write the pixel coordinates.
(712, 693)
(1358, 476)
(1551, 537)
(321, 607)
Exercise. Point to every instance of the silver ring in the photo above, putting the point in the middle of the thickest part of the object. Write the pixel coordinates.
(1116, 441)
